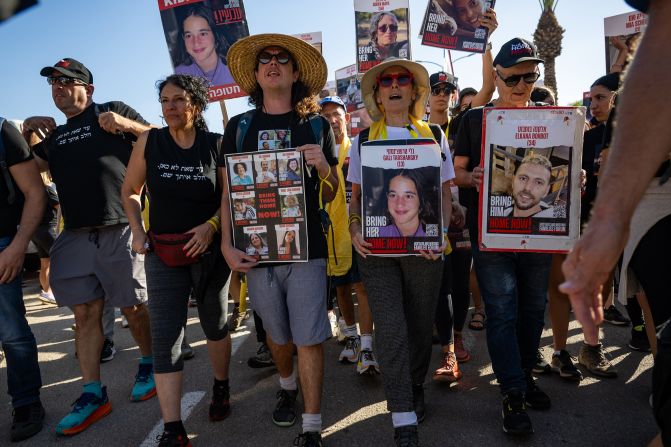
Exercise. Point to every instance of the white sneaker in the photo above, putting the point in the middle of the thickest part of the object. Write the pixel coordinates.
(340, 332)
(333, 320)
(350, 353)
(367, 363)
(47, 298)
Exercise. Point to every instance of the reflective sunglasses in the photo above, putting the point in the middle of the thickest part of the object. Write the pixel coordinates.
(402, 79)
(64, 80)
(392, 28)
(512, 81)
(446, 90)
(282, 57)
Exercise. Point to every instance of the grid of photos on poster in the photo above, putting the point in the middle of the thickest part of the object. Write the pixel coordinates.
(267, 196)
(401, 196)
(530, 199)
(455, 25)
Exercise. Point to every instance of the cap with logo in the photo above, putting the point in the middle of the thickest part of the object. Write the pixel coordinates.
(515, 52)
(443, 78)
(71, 68)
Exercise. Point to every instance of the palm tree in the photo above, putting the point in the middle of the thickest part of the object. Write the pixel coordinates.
(548, 37)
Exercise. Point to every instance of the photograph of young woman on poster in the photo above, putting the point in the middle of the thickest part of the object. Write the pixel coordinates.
(288, 245)
(293, 172)
(407, 210)
(201, 51)
(256, 246)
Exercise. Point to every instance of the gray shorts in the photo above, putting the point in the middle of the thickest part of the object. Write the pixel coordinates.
(87, 265)
(291, 301)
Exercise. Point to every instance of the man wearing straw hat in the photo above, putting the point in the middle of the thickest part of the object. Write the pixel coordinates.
(283, 75)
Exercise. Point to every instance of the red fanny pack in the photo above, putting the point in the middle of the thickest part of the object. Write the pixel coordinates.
(170, 248)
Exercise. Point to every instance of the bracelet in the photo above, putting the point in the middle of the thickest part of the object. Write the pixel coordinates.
(326, 177)
(215, 224)
(354, 218)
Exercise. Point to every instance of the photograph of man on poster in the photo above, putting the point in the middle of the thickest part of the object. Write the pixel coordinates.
(530, 185)
(265, 171)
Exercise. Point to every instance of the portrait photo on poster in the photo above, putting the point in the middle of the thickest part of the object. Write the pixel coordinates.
(382, 31)
(199, 35)
(455, 25)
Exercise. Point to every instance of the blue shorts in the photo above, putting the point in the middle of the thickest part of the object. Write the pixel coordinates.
(291, 301)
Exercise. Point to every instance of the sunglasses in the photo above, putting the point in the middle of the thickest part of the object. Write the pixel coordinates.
(391, 28)
(64, 80)
(282, 57)
(402, 79)
(512, 81)
(445, 90)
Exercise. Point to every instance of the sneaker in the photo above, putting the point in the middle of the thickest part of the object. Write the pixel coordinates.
(309, 439)
(406, 436)
(47, 298)
(459, 350)
(144, 387)
(367, 363)
(124, 322)
(285, 410)
(341, 331)
(350, 352)
(87, 409)
(516, 421)
(614, 316)
(639, 339)
(170, 439)
(262, 359)
(541, 366)
(562, 363)
(220, 406)
(237, 318)
(187, 351)
(333, 321)
(534, 396)
(27, 421)
(448, 371)
(108, 351)
(594, 360)
(418, 402)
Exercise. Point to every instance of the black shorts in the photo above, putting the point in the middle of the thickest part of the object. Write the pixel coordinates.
(351, 277)
(43, 239)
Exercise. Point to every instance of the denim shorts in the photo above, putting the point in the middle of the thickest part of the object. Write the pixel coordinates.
(291, 301)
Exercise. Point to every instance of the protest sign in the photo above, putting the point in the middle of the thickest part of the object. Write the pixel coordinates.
(199, 34)
(621, 33)
(454, 25)
(268, 204)
(382, 31)
(530, 194)
(314, 39)
(401, 196)
(348, 88)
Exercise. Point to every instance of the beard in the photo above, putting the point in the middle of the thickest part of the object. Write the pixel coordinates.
(523, 207)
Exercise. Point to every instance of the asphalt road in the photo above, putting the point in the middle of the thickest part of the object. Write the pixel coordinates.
(596, 412)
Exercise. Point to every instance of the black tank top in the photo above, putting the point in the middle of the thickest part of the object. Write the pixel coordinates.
(182, 183)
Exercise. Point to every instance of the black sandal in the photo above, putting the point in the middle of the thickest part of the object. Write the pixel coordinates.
(478, 324)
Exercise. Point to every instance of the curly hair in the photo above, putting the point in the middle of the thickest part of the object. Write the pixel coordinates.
(196, 89)
(221, 45)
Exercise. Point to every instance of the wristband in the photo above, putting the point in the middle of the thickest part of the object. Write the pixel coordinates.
(354, 218)
(215, 224)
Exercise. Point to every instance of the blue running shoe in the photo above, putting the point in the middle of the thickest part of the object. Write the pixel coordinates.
(145, 387)
(88, 409)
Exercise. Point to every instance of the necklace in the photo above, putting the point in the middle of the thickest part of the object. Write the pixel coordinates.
(214, 72)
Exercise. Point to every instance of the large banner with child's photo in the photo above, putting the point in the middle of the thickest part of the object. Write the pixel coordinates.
(401, 196)
(199, 34)
(455, 25)
(530, 195)
(267, 196)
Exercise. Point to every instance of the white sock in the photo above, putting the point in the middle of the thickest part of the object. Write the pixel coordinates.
(289, 383)
(350, 331)
(403, 419)
(366, 342)
(312, 422)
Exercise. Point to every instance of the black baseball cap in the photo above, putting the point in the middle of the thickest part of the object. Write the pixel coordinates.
(443, 78)
(69, 67)
(515, 52)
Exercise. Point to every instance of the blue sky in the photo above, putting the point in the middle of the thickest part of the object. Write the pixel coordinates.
(122, 43)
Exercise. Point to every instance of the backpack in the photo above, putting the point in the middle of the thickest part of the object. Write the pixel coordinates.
(4, 169)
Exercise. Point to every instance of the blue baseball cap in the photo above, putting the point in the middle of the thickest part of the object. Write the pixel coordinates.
(333, 100)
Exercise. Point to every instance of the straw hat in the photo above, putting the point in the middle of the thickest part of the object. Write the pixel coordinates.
(241, 59)
(421, 80)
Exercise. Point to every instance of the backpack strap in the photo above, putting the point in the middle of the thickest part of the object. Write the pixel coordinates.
(243, 127)
(4, 169)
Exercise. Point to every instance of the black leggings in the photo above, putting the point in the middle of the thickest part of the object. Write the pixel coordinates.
(454, 297)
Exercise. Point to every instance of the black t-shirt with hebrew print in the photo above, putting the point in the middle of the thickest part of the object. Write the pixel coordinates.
(16, 152)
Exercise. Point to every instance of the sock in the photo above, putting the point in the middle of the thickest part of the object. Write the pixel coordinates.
(350, 331)
(312, 422)
(403, 419)
(366, 342)
(289, 383)
(94, 387)
(146, 360)
(222, 384)
(175, 427)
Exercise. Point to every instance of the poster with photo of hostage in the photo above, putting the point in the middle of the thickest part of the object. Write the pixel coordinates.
(314, 39)
(401, 196)
(382, 31)
(266, 193)
(530, 195)
(348, 88)
(199, 34)
(455, 25)
(621, 34)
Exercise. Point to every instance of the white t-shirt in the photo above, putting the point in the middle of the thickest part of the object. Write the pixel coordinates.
(399, 133)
